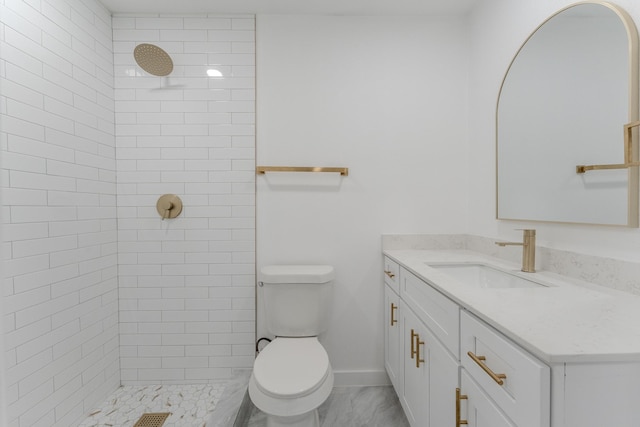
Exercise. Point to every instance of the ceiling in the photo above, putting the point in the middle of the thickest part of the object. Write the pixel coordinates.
(316, 7)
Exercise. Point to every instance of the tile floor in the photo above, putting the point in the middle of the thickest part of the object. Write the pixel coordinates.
(190, 405)
(354, 407)
(216, 405)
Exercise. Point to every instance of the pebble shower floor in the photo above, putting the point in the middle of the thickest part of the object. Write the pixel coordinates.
(190, 405)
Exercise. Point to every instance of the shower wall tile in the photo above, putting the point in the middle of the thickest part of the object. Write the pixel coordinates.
(59, 210)
(186, 284)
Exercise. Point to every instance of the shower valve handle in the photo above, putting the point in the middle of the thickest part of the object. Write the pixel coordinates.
(169, 206)
(167, 210)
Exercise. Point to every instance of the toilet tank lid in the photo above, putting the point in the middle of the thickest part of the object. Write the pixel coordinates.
(297, 273)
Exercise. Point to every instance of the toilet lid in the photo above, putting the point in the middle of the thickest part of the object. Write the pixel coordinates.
(291, 367)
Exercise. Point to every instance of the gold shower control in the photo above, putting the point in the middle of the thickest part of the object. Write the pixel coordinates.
(169, 206)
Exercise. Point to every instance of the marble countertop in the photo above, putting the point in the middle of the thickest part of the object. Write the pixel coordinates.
(567, 321)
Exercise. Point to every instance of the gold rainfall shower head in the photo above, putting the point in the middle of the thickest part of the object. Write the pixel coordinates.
(153, 59)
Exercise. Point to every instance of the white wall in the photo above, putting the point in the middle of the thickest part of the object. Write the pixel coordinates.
(387, 98)
(186, 284)
(58, 214)
(498, 29)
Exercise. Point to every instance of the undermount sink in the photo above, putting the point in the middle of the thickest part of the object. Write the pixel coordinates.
(484, 276)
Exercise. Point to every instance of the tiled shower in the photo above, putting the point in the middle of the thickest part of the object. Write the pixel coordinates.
(99, 290)
(186, 285)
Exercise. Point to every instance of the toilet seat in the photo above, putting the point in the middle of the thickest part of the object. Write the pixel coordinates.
(291, 376)
(291, 367)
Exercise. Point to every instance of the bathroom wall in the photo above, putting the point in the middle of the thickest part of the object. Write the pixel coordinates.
(59, 210)
(387, 98)
(498, 29)
(186, 284)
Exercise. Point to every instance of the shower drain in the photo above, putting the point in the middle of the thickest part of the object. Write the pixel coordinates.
(152, 419)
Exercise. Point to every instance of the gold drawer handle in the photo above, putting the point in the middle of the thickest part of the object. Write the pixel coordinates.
(393, 312)
(480, 361)
(413, 343)
(390, 274)
(418, 344)
(459, 397)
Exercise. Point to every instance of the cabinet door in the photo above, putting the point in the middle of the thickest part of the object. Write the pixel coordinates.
(443, 380)
(415, 385)
(430, 376)
(392, 337)
(480, 411)
(437, 311)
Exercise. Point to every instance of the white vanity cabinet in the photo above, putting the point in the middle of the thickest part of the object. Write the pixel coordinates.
(430, 375)
(479, 409)
(422, 368)
(427, 341)
(565, 355)
(392, 337)
(414, 391)
(518, 383)
(599, 394)
(392, 274)
(392, 331)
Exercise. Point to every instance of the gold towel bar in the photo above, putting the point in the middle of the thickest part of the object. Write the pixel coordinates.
(628, 153)
(264, 169)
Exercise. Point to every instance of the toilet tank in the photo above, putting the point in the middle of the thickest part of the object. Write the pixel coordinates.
(297, 298)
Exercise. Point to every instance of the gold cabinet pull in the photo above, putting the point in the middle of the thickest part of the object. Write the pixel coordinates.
(413, 343)
(393, 312)
(480, 361)
(390, 274)
(418, 344)
(459, 397)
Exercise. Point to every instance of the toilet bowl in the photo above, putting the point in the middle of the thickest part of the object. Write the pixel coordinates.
(292, 375)
(291, 378)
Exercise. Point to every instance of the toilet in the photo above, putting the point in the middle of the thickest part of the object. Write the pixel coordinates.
(292, 375)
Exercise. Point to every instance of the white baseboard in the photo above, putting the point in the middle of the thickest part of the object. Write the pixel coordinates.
(360, 378)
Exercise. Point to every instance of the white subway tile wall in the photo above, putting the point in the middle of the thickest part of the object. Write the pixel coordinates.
(85, 253)
(186, 284)
(59, 209)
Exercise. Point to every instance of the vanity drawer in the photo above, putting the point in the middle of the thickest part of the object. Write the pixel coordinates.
(524, 394)
(437, 311)
(392, 274)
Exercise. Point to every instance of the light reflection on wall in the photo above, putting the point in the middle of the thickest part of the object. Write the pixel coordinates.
(212, 72)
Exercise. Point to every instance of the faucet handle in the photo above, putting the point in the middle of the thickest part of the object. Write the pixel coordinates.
(528, 249)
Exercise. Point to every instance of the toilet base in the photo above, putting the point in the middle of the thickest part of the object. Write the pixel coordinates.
(309, 419)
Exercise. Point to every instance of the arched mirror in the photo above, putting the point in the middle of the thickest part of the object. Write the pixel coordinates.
(564, 101)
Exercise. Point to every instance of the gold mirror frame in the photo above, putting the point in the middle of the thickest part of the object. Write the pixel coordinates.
(633, 175)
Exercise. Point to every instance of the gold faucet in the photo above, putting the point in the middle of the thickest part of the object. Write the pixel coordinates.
(528, 250)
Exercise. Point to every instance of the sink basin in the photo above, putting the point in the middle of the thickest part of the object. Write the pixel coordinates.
(485, 276)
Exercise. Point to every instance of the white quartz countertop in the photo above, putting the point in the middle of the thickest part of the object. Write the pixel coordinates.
(567, 321)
